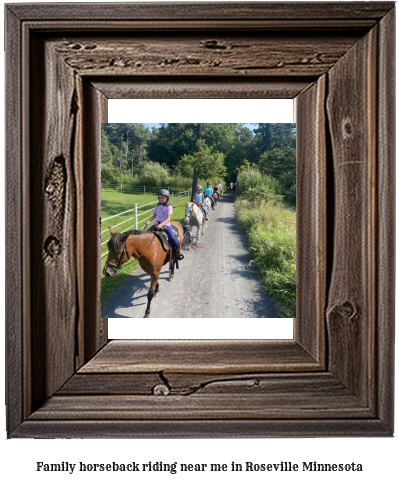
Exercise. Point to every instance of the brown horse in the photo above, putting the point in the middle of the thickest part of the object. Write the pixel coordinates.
(216, 197)
(148, 250)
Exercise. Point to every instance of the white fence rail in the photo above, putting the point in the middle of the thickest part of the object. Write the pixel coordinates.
(141, 214)
(135, 189)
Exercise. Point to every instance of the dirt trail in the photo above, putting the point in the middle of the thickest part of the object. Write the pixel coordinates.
(212, 282)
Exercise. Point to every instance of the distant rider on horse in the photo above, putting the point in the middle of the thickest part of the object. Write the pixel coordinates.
(162, 214)
(208, 191)
(199, 200)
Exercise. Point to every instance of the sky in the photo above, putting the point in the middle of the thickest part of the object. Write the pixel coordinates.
(250, 125)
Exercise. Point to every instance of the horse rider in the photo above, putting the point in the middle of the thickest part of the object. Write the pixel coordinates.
(162, 213)
(208, 191)
(199, 200)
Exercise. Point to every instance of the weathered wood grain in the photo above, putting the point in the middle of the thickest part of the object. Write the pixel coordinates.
(185, 384)
(217, 407)
(113, 384)
(53, 239)
(81, 54)
(224, 55)
(16, 257)
(95, 329)
(191, 428)
(174, 87)
(200, 356)
(311, 219)
(351, 307)
(385, 245)
(245, 12)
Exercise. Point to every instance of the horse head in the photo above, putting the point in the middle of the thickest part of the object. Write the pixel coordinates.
(117, 253)
(189, 209)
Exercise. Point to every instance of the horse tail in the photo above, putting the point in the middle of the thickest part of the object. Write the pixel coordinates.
(187, 239)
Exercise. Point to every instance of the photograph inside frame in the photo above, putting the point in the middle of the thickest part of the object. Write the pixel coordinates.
(198, 220)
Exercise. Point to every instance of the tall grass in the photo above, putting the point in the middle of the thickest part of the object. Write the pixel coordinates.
(271, 229)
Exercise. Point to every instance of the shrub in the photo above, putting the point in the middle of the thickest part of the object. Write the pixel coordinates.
(152, 174)
(113, 176)
(252, 182)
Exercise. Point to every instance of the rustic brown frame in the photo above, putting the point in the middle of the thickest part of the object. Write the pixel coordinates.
(336, 376)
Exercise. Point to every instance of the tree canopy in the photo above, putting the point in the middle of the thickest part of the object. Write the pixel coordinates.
(200, 151)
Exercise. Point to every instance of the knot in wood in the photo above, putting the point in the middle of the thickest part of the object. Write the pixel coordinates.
(346, 310)
(161, 390)
(52, 246)
(347, 128)
(90, 47)
(213, 44)
(50, 188)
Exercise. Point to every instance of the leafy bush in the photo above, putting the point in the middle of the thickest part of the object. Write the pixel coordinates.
(178, 181)
(290, 196)
(152, 174)
(113, 176)
(262, 193)
(252, 181)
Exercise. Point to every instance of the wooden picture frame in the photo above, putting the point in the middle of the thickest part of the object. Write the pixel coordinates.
(335, 378)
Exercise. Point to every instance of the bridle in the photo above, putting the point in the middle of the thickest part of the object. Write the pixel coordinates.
(117, 267)
(190, 216)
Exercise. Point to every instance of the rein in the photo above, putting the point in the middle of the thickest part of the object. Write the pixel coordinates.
(117, 267)
(192, 214)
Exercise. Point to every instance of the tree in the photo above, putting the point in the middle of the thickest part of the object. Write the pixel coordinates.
(205, 163)
(139, 135)
(106, 153)
(271, 135)
(171, 141)
(281, 165)
(127, 142)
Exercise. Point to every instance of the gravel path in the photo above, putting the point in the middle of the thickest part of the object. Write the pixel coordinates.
(214, 280)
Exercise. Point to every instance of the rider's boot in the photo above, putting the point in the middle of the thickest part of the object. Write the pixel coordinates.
(179, 255)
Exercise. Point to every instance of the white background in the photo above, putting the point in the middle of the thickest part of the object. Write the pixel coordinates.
(379, 456)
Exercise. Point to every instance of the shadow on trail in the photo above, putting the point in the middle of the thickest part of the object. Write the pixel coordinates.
(132, 293)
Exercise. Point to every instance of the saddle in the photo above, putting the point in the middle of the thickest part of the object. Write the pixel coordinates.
(164, 239)
(166, 245)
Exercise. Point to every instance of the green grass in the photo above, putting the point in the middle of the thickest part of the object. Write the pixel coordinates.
(114, 202)
(271, 229)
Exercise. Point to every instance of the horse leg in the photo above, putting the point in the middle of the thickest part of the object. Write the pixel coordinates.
(190, 230)
(150, 295)
(156, 290)
(172, 267)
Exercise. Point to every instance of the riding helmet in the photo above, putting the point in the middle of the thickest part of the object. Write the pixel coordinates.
(199, 187)
(164, 192)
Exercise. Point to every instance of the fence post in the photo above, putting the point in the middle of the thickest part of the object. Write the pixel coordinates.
(144, 189)
(172, 199)
(136, 219)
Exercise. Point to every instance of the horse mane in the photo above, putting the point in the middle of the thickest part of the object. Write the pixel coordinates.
(114, 243)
